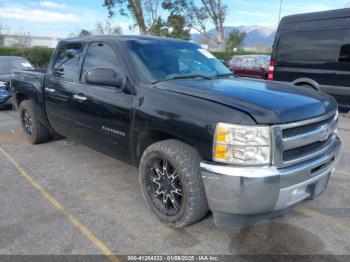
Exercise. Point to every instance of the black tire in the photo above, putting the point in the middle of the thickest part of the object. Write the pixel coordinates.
(35, 132)
(184, 161)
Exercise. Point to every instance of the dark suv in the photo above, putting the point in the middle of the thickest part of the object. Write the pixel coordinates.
(313, 50)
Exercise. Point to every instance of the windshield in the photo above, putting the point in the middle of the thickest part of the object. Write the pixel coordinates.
(7, 64)
(166, 59)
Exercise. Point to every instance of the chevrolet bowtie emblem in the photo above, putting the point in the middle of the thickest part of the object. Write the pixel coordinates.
(325, 132)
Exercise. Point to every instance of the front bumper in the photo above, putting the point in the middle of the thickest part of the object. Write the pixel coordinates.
(5, 101)
(249, 192)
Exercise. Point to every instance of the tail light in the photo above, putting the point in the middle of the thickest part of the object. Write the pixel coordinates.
(270, 75)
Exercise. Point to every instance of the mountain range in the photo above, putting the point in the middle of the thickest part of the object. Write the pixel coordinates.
(256, 34)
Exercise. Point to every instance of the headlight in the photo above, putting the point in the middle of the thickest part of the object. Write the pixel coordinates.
(2, 84)
(242, 145)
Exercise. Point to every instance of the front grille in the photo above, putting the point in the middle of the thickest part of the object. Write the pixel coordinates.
(294, 131)
(303, 151)
(304, 140)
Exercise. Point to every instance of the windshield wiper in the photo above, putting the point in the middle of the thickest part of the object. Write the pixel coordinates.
(184, 77)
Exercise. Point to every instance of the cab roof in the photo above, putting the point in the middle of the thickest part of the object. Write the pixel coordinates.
(337, 13)
(119, 38)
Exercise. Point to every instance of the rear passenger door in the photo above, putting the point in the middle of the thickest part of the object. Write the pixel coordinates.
(103, 119)
(59, 87)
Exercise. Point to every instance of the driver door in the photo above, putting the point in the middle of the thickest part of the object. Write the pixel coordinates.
(102, 114)
(59, 87)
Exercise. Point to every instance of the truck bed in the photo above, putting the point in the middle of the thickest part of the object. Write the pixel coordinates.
(28, 81)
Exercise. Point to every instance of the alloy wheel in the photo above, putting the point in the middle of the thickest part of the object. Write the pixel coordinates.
(164, 187)
(27, 123)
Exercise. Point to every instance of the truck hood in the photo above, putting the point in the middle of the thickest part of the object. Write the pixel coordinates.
(265, 101)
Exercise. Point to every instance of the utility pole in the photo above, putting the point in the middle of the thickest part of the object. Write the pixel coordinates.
(279, 13)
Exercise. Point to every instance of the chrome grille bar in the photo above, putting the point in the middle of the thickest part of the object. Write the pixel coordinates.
(321, 133)
(325, 132)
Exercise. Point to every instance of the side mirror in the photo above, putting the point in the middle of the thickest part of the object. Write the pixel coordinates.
(104, 77)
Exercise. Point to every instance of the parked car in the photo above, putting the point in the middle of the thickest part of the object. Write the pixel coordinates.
(249, 65)
(201, 137)
(7, 64)
(313, 50)
(5, 98)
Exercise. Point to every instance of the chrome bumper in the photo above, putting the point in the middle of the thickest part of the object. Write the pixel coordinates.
(259, 190)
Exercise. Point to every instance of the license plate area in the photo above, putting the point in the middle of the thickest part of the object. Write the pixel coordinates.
(315, 189)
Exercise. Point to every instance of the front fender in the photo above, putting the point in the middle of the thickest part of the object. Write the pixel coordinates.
(190, 119)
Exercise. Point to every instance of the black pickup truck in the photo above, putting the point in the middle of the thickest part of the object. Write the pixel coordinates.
(203, 138)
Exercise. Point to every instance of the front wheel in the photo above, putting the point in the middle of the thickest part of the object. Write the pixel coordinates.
(171, 183)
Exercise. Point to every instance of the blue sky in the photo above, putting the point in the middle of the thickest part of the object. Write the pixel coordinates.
(62, 17)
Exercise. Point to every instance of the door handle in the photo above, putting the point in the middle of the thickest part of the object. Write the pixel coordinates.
(79, 98)
(50, 90)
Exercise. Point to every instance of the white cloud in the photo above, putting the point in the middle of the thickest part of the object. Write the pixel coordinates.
(37, 15)
(51, 4)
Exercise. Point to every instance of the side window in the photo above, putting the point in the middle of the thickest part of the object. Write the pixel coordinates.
(236, 61)
(67, 61)
(248, 63)
(99, 55)
(315, 45)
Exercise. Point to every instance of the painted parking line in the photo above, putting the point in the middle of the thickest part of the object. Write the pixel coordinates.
(317, 215)
(56, 204)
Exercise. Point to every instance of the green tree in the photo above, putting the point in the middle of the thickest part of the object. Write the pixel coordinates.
(217, 13)
(159, 28)
(235, 40)
(198, 13)
(144, 13)
(174, 27)
(177, 27)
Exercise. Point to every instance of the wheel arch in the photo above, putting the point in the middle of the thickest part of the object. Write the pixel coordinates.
(150, 136)
(306, 81)
(19, 98)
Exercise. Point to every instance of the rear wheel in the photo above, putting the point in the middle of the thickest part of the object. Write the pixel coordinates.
(171, 183)
(35, 132)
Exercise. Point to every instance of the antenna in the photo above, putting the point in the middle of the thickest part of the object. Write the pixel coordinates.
(279, 13)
